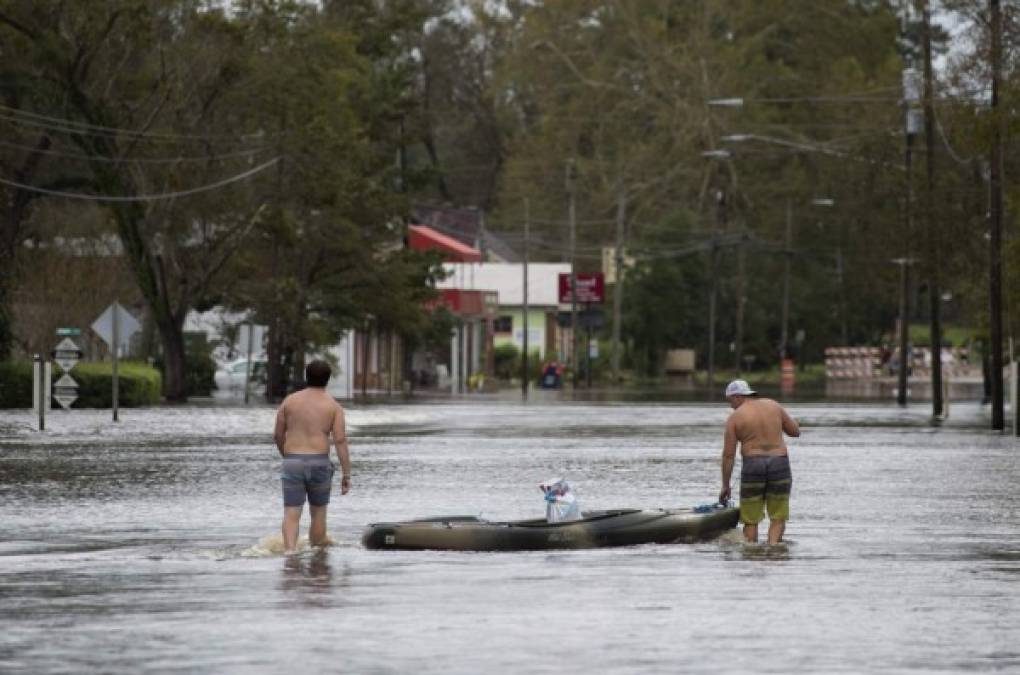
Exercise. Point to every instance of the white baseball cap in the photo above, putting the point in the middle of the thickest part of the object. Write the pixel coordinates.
(739, 388)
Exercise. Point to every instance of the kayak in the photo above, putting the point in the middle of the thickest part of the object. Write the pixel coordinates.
(621, 527)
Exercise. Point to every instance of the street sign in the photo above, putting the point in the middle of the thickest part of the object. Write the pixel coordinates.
(68, 332)
(65, 391)
(589, 319)
(66, 354)
(590, 288)
(127, 325)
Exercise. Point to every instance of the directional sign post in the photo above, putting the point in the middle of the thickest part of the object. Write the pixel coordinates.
(65, 391)
(66, 355)
(116, 325)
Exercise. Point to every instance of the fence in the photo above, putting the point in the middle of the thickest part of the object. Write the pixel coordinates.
(862, 363)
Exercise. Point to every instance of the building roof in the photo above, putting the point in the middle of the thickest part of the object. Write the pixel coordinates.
(507, 280)
(424, 238)
(466, 225)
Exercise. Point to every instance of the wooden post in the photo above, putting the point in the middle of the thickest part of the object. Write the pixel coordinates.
(614, 357)
(524, 302)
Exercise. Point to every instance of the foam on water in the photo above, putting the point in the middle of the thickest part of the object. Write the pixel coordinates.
(271, 546)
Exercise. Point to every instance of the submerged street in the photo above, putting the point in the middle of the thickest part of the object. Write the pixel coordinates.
(150, 546)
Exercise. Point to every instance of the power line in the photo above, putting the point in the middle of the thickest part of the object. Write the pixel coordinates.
(141, 198)
(145, 160)
(64, 125)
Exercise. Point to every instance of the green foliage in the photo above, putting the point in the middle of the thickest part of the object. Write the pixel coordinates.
(508, 362)
(15, 384)
(200, 367)
(485, 103)
(139, 385)
(6, 332)
(507, 359)
(667, 300)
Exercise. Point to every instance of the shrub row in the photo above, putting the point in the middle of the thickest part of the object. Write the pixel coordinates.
(15, 384)
(140, 385)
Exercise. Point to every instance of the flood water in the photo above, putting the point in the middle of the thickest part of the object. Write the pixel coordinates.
(148, 546)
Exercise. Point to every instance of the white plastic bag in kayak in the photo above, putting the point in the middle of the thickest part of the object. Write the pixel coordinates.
(560, 503)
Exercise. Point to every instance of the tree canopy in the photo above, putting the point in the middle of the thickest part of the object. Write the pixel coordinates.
(266, 154)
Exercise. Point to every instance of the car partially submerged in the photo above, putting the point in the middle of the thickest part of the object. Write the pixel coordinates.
(231, 376)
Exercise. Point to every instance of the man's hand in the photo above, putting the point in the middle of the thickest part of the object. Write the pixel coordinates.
(724, 495)
(345, 484)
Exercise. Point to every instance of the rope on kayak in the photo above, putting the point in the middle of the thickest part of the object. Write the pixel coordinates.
(714, 506)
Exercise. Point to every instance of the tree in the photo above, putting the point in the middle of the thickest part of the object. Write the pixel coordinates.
(138, 90)
(327, 256)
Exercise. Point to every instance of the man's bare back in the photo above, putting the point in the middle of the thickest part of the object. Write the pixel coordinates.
(758, 424)
(305, 420)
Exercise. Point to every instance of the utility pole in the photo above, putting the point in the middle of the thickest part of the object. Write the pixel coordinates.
(713, 274)
(621, 211)
(995, 243)
(901, 391)
(844, 334)
(912, 125)
(525, 309)
(787, 253)
(934, 258)
(572, 221)
(738, 341)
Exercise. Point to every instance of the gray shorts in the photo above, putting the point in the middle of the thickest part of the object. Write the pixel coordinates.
(308, 476)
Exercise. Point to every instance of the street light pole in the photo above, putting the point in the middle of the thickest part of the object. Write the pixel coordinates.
(621, 213)
(524, 297)
(787, 252)
(933, 262)
(912, 124)
(738, 341)
(720, 219)
(572, 220)
(901, 390)
(995, 243)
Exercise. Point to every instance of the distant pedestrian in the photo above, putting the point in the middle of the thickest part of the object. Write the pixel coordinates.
(758, 425)
(304, 423)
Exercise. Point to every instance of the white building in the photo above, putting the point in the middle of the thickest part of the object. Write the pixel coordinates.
(507, 280)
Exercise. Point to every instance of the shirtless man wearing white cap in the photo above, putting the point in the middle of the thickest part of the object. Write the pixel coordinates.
(758, 424)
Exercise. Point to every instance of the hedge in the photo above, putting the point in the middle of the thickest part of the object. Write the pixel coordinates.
(15, 384)
(140, 385)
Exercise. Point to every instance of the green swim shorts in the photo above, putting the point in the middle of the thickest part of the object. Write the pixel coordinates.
(765, 482)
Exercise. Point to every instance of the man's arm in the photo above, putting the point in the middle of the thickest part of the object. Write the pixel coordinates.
(729, 455)
(790, 426)
(342, 451)
(280, 432)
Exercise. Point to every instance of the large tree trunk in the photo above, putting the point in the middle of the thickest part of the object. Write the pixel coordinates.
(175, 380)
(148, 270)
(277, 365)
(6, 331)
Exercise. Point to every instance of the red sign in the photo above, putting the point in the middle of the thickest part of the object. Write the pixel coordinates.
(591, 288)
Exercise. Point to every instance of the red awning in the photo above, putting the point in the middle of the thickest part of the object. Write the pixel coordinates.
(424, 238)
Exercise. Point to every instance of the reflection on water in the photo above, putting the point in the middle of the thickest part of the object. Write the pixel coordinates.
(143, 546)
(310, 578)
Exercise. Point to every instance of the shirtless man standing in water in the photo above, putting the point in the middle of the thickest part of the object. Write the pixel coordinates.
(304, 423)
(758, 424)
